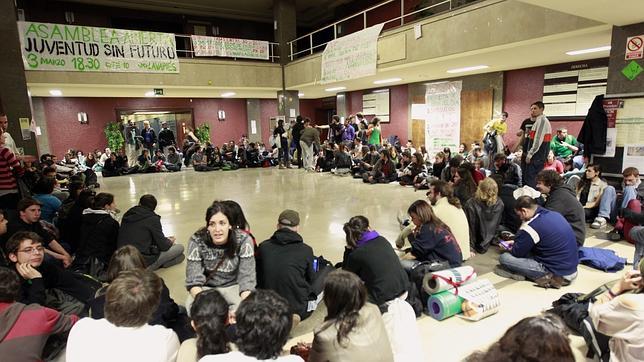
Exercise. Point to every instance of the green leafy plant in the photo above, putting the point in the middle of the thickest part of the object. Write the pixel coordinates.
(115, 140)
(203, 133)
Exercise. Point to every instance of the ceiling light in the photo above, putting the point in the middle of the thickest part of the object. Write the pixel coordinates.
(385, 81)
(380, 91)
(467, 69)
(335, 89)
(590, 50)
(228, 94)
(149, 94)
(56, 92)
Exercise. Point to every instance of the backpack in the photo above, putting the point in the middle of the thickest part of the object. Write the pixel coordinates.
(602, 259)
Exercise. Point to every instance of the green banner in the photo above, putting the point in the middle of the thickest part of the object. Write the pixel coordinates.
(61, 47)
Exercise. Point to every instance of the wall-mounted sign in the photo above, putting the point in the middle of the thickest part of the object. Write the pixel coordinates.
(74, 48)
(634, 47)
(158, 91)
(210, 46)
(352, 56)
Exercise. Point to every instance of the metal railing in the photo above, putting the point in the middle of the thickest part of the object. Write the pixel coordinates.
(187, 51)
(396, 19)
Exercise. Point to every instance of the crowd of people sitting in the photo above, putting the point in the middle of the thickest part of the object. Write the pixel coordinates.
(66, 256)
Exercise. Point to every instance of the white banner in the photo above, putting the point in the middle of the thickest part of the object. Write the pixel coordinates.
(210, 46)
(352, 56)
(89, 49)
(443, 123)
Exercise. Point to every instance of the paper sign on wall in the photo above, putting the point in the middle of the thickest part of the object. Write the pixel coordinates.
(443, 124)
(210, 46)
(634, 47)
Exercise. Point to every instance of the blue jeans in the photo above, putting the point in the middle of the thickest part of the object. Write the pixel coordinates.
(630, 193)
(637, 234)
(607, 202)
(527, 267)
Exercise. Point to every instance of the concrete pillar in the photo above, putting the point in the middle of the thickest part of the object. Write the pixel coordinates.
(342, 104)
(14, 98)
(41, 121)
(285, 25)
(288, 104)
(618, 84)
(254, 117)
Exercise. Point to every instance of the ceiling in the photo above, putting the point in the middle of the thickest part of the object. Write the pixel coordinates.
(309, 12)
(613, 12)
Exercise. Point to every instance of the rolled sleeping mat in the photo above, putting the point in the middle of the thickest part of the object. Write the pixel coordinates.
(481, 299)
(437, 282)
(444, 305)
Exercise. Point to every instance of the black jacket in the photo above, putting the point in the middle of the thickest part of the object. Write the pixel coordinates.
(141, 228)
(435, 244)
(484, 221)
(378, 266)
(510, 218)
(593, 132)
(98, 235)
(53, 276)
(166, 138)
(285, 265)
(563, 200)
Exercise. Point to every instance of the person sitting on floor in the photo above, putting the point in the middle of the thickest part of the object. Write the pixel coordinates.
(286, 265)
(484, 212)
(110, 167)
(262, 329)
(509, 221)
(371, 257)
(632, 199)
(43, 282)
(464, 185)
(29, 220)
(173, 161)
(342, 161)
(415, 172)
(448, 173)
(167, 313)
(553, 164)
(589, 193)
(25, 329)
(431, 241)
(518, 344)
(144, 162)
(50, 204)
(141, 228)
(561, 198)
(544, 250)
(353, 329)
(130, 301)
(98, 235)
(513, 171)
(384, 171)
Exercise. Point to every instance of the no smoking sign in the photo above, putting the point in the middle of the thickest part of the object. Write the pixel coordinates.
(634, 45)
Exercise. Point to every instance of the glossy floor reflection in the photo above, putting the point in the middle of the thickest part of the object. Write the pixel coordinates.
(325, 203)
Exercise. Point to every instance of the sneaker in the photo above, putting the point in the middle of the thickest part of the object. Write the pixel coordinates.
(599, 223)
(614, 235)
(502, 272)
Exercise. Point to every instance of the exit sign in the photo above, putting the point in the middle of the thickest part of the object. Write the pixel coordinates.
(158, 91)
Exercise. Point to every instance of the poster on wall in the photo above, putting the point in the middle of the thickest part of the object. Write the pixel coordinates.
(352, 56)
(71, 48)
(443, 123)
(211, 46)
(634, 156)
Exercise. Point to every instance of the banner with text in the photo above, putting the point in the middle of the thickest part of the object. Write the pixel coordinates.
(210, 46)
(443, 123)
(89, 49)
(352, 56)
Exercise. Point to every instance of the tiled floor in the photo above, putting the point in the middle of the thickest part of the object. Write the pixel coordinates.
(325, 203)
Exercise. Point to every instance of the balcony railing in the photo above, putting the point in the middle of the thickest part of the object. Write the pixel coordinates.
(185, 50)
(392, 13)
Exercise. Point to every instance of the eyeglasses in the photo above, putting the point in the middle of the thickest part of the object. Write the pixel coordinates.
(36, 250)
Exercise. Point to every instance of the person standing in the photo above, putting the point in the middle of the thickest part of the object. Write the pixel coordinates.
(310, 136)
(538, 144)
(296, 133)
(282, 143)
(375, 136)
(166, 137)
(149, 136)
(8, 140)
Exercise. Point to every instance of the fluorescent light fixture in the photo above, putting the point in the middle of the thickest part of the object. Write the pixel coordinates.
(385, 81)
(228, 94)
(380, 91)
(335, 89)
(467, 69)
(300, 94)
(56, 92)
(149, 94)
(590, 50)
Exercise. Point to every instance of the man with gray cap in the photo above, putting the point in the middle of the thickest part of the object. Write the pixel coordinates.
(286, 265)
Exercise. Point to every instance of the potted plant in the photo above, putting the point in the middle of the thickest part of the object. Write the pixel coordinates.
(203, 133)
(115, 140)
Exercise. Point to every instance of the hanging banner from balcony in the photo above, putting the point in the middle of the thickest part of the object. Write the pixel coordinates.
(211, 46)
(443, 122)
(352, 56)
(73, 48)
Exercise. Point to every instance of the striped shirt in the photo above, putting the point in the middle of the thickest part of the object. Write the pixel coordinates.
(8, 162)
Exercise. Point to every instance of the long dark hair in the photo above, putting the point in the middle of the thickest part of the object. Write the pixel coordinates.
(467, 181)
(231, 247)
(426, 215)
(584, 183)
(518, 343)
(237, 218)
(354, 229)
(209, 313)
(344, 296)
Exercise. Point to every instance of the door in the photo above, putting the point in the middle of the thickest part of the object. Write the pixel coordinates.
(476, 111)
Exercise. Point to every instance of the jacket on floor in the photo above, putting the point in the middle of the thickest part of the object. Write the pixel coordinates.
(285, 265)
(141, 228)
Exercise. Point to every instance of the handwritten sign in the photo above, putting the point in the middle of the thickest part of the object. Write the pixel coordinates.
(210, 46)
(352, 56)
(443, 123)
(73, 48)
